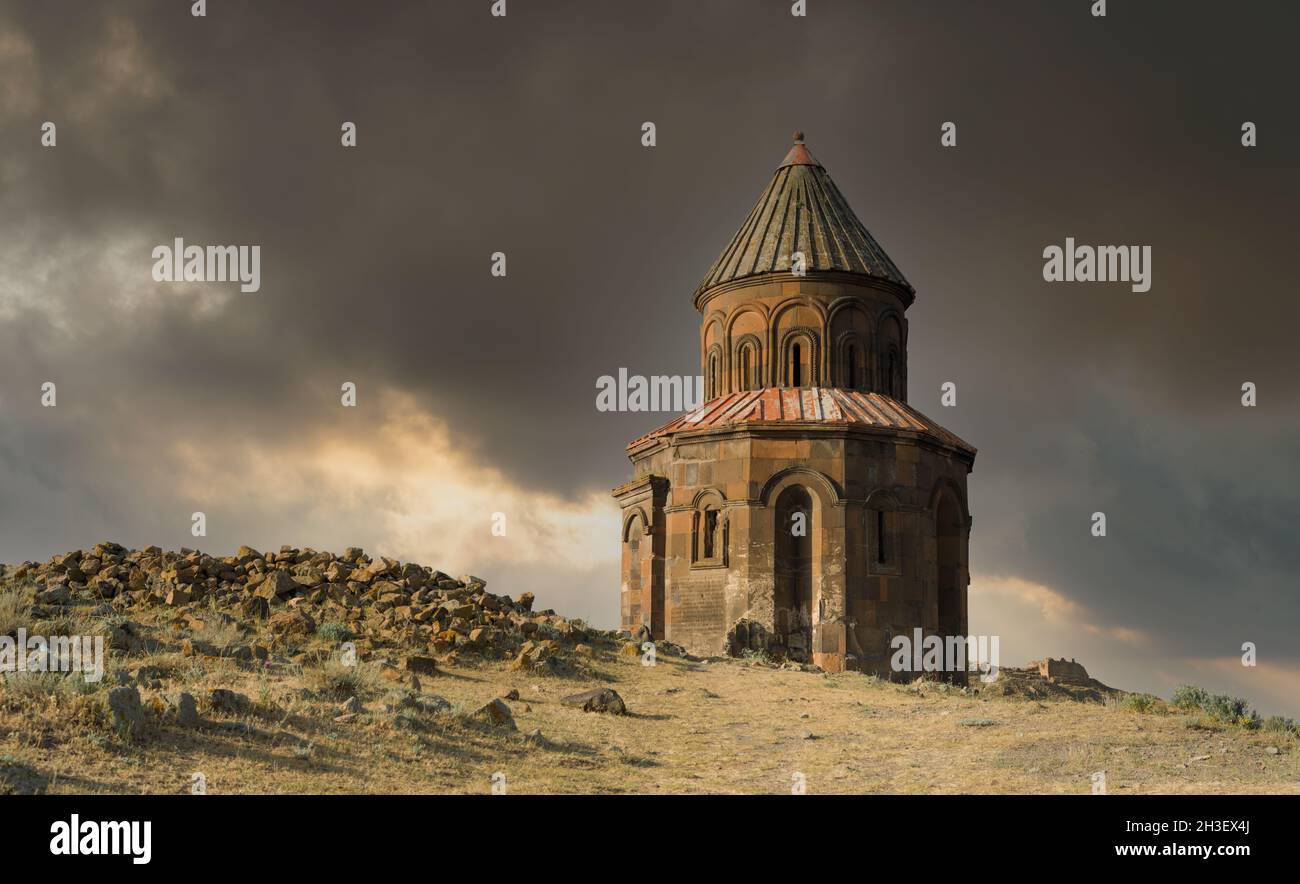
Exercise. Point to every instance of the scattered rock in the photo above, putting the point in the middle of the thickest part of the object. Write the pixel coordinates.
(276, 586)
(126, 710)
(292, 623)
(431, 704)
(597, 700)
(254, 608)
(422, 664)
(229, 702)
(181, 709)
(497, 714)
(58, 595)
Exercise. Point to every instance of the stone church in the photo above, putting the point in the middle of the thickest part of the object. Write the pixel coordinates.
(805, 509)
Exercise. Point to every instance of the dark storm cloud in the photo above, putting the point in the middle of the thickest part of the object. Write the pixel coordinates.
(522, 135)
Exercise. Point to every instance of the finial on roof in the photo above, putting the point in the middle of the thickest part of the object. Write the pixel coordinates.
(799, 155)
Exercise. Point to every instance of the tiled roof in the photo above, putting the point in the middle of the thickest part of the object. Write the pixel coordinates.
(820, 405)
(801, 211)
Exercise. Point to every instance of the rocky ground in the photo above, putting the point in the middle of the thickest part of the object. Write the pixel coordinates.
(303, 671)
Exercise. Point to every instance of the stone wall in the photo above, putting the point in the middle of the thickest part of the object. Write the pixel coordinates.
(1063, 670)
(851, 474)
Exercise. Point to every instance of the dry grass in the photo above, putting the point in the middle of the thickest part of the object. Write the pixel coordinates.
(15, 609)
(725, 727)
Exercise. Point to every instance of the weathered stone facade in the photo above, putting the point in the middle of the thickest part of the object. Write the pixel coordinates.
(805, 509)
(1070, 671)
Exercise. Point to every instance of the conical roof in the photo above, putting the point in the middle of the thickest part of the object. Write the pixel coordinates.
(801, 211)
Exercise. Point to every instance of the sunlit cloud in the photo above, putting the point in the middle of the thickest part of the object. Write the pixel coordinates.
(395, 477)
(1053, 607)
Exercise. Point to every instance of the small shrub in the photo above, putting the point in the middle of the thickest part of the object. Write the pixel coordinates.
(338, 681)
(1142, 704)
(334, 632)
(1279, 724)
(78, 683)
(1217, 707)
(1230, 710)
(1189, 697)
(15, 610)
(977, 722)
(99, 741)
(35, 685)
(219, 633)
(117, 621)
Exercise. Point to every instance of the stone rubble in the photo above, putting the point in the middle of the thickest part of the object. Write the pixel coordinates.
(417, 617)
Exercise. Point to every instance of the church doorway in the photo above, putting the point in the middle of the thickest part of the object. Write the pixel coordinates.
(793, 572)
(644, 588)
(948, 532)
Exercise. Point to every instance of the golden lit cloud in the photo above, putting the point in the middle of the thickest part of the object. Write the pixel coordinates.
(394, 478)
(1053, 607)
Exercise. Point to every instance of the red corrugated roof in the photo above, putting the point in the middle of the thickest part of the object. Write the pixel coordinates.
(821, 405)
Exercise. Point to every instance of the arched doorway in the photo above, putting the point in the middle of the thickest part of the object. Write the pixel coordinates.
(792, 598)
(949, 527)
(643, 599)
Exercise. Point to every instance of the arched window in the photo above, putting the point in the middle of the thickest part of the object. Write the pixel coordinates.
(713, 375)
(798, 358)
(851, 369)
(748, 365)
(881, 528)
(709, 529)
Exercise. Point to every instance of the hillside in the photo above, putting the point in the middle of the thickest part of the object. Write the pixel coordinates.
(298, 671)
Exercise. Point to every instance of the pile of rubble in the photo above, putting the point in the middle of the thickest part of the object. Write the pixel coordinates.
(262, 604)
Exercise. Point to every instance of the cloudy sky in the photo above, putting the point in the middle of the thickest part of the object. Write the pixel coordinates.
(522, 135)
